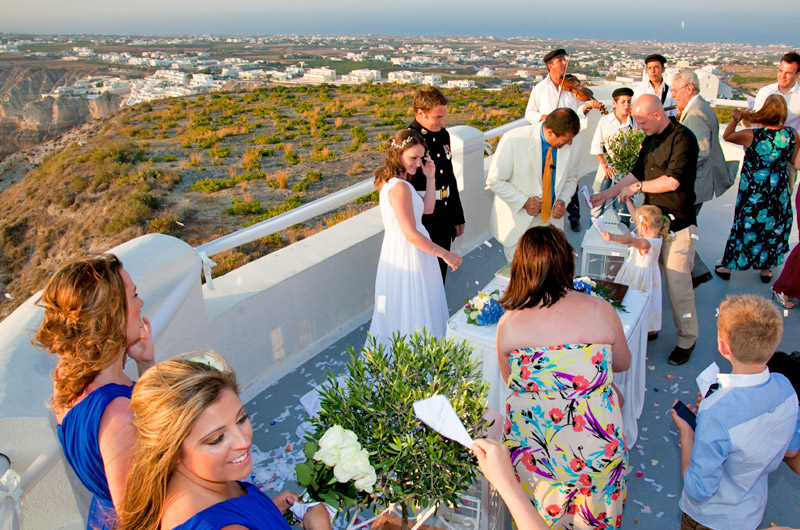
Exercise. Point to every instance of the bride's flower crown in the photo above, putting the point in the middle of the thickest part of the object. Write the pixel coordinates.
(402, 144)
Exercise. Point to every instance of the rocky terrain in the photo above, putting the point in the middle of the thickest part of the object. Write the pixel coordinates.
(27, 120)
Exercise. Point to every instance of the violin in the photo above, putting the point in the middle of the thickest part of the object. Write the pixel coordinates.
(570, 83)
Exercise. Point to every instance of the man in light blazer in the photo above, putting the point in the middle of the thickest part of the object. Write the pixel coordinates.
(515, 177)
(713, 178)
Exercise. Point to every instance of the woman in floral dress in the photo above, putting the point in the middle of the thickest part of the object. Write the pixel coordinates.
(557, 349)
(762, 219)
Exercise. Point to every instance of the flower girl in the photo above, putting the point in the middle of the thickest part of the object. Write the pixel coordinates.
(640, 270)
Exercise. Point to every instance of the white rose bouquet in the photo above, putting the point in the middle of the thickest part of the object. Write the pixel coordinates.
(337, 471)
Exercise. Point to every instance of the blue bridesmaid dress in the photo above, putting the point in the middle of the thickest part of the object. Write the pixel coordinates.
(78, 436)
(254, 510)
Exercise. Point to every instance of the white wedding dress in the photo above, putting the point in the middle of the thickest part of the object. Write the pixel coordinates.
(409, 293)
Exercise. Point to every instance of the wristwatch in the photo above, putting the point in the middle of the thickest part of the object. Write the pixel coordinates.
(639, 187)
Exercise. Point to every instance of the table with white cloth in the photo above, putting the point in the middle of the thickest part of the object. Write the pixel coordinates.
(631, 382)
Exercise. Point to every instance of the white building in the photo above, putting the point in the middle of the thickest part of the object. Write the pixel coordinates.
(485, 72)
(405, 76)
(362, 76)
(202, 80)
(320, 75)
(253, 74)
(175, 77)
(461, 83)
(230, 71)
(433, 80)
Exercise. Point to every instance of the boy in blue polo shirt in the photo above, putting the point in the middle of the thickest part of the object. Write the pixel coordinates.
(743, 429)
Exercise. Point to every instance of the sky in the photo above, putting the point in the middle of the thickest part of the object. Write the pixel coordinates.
(669, 21)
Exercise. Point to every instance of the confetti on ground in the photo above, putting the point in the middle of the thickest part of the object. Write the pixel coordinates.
(659, 487)
(641, 465)
(643, 429)
(659, 514)
(665, 439)
(488, 244)
(639, 474)
(648, 479)
(671, 495)
(670, 376)
(653, 462)
(686, 315)
(651, 367)
(673, 432)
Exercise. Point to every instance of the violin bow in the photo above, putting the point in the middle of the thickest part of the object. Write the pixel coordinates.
(561, 84)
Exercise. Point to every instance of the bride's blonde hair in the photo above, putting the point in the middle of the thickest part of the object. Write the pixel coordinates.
(166, 403)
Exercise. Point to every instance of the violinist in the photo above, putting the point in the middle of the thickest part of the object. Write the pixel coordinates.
(654, 68)
(607, 127)
(549, 95)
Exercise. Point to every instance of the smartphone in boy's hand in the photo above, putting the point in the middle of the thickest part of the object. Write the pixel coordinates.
(685, 414)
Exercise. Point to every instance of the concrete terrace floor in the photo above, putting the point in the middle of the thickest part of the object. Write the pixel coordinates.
(654, 484)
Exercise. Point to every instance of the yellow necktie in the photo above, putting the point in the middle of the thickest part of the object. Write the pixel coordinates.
(547, 185)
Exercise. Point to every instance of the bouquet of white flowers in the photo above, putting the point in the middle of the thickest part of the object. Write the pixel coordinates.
(483, 309)
(337, 470)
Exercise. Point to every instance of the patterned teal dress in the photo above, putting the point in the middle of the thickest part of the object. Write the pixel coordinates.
(564, 431)
(762, 219)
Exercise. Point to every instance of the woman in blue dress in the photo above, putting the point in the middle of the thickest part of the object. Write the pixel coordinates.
(762, 219)
(192, 453)
(92, 322)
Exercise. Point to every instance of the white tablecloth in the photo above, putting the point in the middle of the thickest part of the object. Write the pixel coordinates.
(631, 383)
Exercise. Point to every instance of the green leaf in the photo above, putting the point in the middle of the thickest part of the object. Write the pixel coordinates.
(305, 474)
(310, 449)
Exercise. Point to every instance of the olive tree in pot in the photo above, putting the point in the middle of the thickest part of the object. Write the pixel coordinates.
(415, 466)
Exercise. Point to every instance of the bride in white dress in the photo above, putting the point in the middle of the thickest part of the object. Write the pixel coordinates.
(409, 294)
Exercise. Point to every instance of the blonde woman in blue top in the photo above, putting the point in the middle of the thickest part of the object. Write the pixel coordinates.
(193, 453)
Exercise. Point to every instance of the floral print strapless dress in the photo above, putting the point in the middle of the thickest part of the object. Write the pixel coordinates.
(564, 431)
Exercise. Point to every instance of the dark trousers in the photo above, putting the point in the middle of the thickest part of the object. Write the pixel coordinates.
(687, 523)
(574, 208)
(444, 239)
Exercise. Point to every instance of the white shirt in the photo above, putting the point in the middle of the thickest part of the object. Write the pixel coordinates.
(792, 102)
(606, 128)
(544, 100)
(647, 88)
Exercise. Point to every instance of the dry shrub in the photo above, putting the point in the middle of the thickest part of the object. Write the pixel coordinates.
(233, 130)
(195, 159)
(341, 215)
(357, 103)
(338, 123)
(288, 148)
(231, 172)
(251, 159)
(282, 178)
(357, 168)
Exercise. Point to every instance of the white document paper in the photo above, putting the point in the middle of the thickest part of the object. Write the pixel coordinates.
(299, 509)
(707, 378)
(438, 414)
(587, 196)
(600, 224)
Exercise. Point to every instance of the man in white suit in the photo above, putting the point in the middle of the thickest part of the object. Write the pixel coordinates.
(516, 173)
(713, 178)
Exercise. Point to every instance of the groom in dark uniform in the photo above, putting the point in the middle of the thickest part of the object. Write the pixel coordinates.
(447, 220)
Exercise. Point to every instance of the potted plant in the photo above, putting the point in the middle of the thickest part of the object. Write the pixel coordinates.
(415, 467)
(622, 150)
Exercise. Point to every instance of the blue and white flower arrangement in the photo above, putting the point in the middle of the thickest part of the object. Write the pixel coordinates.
(483, 309)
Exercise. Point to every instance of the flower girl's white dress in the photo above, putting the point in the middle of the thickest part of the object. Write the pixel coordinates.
(643, 273)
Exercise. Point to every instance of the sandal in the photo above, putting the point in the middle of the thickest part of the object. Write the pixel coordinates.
(782, 301)
(724, 274)
(766, 276)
